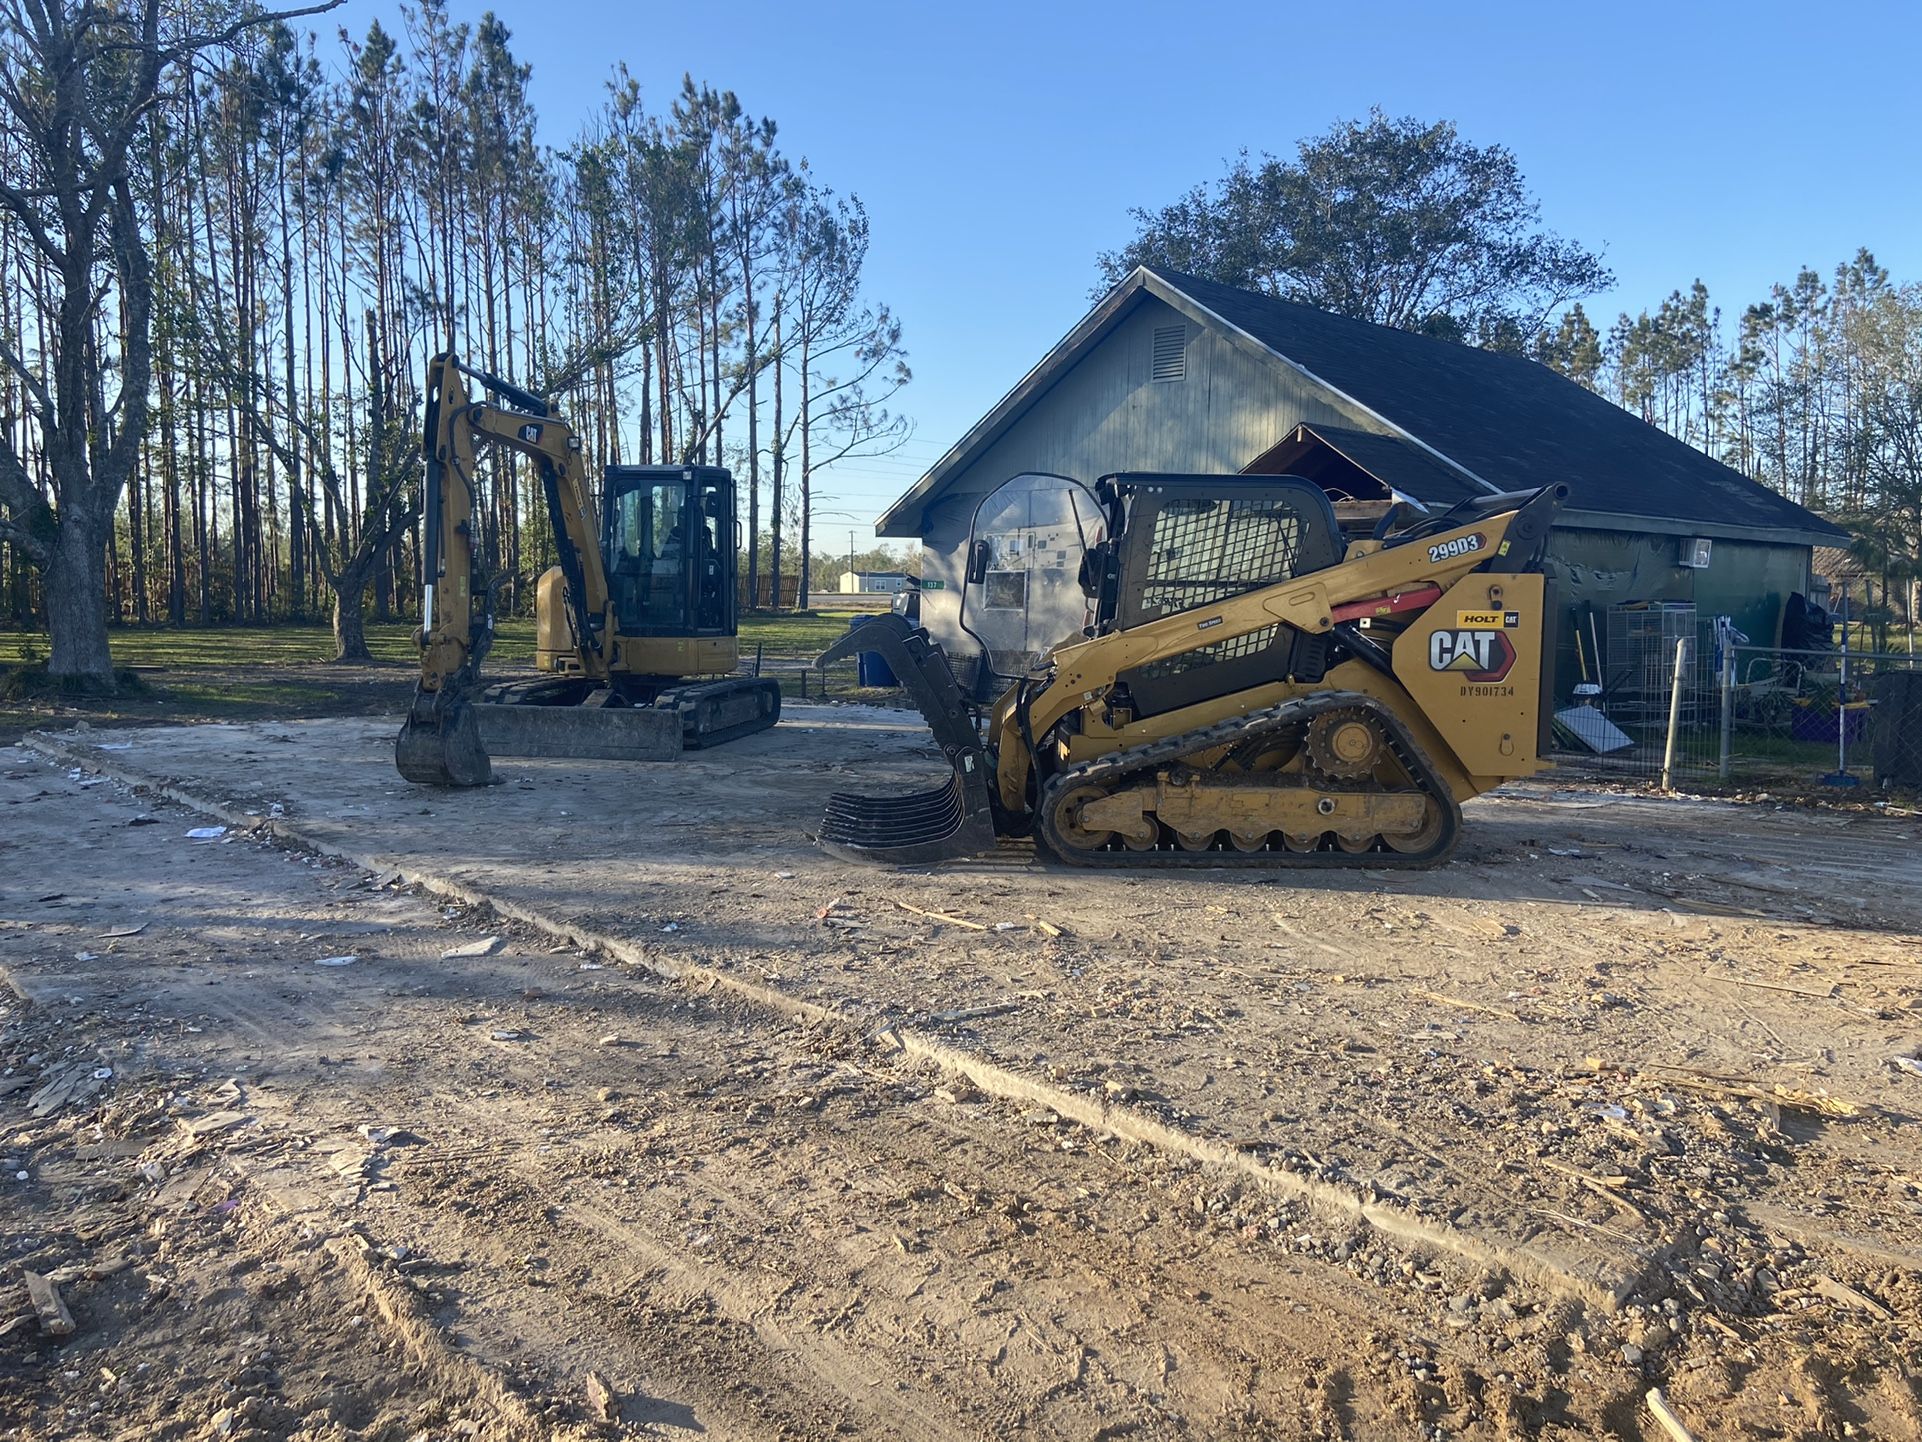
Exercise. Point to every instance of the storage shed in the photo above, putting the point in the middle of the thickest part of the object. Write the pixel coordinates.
(1173, 373)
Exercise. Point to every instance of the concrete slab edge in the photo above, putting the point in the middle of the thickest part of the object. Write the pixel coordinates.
(1606, 1293)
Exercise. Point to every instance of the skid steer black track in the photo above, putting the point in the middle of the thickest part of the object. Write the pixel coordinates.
(1117, 768)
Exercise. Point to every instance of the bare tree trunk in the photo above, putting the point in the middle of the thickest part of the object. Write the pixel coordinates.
(76, 613)
(806, 564)
(778, 469)
(350, 624)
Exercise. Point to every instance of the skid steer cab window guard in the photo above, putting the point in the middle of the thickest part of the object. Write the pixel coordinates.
(1194, 540)
(1024, 559)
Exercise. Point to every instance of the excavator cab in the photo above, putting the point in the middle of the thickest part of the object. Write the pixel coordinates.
(668, 536)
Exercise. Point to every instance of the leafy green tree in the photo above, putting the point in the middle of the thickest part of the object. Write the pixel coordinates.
(1573, 348)
(1396, 221)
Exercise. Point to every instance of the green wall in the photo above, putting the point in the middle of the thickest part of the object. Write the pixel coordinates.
(1747, 580)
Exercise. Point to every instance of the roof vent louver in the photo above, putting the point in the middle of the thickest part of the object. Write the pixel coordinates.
(1171, 353)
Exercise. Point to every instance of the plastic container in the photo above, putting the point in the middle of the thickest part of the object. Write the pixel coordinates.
(871, 667)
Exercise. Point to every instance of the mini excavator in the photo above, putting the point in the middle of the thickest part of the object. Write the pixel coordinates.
(640, 602)
(1248, 688)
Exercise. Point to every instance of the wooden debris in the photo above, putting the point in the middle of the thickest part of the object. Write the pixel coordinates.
(74, 1082)
(1796, 1099)
(941, 916)
(601, 1401)
(1608, 1187)
(1048, 928)
(214, 1123)
(55, 1319)
(486, 946)
(973, 1013)
(1827, 995)
(1469, 1005)
(1842, 1292)
(1715, 1084)
(1671, 1424)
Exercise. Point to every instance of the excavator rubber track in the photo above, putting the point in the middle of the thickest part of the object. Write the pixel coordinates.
(951, 820)
(713, 712)
(1115, 770)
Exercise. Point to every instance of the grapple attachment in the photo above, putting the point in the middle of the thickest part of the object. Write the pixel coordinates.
(440, 742)
(953, 819)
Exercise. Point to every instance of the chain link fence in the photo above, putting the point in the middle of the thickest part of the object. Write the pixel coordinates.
(1688, 702)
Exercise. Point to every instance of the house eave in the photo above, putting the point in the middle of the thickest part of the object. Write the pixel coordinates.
(1583, 520)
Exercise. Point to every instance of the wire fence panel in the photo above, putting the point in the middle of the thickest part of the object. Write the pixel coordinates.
(1757, 715)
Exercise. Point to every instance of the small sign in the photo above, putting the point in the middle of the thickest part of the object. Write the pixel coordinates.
(1484, 620)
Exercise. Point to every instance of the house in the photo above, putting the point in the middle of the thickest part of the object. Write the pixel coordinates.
(854, 583)
(1173, 373)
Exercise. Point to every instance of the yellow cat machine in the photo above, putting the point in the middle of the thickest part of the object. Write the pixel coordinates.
(642, 601)
(1201, 671)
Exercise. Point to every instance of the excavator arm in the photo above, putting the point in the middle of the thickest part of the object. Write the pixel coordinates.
(440, 742)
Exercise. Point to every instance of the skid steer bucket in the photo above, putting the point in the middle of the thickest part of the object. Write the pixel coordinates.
(953, 819)
(440, 742)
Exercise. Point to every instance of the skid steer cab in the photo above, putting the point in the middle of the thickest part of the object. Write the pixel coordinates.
(1203, 671)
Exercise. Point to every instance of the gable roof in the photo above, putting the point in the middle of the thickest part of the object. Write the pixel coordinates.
(1503, 422)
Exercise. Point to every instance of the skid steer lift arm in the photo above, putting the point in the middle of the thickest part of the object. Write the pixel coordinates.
(440, 742)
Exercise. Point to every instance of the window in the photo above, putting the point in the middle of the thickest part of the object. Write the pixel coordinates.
(1171, 353)
(1007, 591)
(653, 551)
(1203, 550)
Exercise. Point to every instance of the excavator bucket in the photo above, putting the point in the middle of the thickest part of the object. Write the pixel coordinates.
(440, 743)
(953, 819)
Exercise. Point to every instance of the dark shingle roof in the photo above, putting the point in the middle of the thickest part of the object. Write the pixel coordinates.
(1512, 422)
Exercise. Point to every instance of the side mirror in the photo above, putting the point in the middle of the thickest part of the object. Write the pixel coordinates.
(977, 563)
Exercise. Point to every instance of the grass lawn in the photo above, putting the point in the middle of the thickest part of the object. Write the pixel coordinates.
(260, 672)
(799, 637)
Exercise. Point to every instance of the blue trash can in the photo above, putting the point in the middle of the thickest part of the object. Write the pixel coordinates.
(871, 668)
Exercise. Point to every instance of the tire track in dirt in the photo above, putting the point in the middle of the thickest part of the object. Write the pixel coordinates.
(1594, 1281)
(903, 1331)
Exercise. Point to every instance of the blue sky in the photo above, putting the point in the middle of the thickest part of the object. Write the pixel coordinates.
(999, 147)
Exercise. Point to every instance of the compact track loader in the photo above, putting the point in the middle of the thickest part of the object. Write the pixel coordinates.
(642, 601)
(1244, 687)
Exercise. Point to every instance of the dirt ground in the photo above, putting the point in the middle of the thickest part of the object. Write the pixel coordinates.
(711, 1135)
